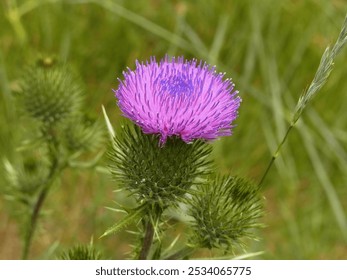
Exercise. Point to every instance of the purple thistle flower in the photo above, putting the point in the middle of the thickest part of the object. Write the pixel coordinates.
(178, 97)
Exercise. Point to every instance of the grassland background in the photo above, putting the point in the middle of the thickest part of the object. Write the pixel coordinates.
(270, 48)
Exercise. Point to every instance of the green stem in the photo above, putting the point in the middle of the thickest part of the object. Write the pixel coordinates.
(147, 241)
(56, 169)
(33, 222)
(275, 155)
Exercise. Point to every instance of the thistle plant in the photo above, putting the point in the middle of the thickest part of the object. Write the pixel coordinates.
(50, 98)
(177, 107)
(163, 160)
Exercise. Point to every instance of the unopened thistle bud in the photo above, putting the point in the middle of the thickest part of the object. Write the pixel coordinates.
(225, 211)
(157, 176)
(50, 94)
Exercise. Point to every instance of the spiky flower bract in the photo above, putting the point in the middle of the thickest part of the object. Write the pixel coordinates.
(26, 177)
(178, 97)
(82, 133)
(81, 252)
(157, 177)
(50, 95)
(226, 210)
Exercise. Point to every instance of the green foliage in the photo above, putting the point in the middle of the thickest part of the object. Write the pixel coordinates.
(81, 252)
(323, 72)
(157, 176)
(51, 94)
(225, 211)
(321, 76)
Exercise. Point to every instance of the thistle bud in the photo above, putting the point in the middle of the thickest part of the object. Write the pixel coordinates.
(81, 252)
(157, 176)
(225, 211)
(50, 94)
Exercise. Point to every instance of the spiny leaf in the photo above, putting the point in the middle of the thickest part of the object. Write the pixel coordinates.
(108, 124)
(131, 217)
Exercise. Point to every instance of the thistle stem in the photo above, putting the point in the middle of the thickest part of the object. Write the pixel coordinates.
(33, 222)
(275, 155)
(147, 241)
(56, 168)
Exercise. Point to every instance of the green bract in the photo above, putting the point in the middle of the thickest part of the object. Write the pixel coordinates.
(81, 252)
(157, 176)
(26, 177)
(226, 210)
(50, 95)
(82, 133)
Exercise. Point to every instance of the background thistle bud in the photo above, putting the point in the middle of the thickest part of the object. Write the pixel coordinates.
(50, 94)
(157, 175)
(82, 133)
(26, 177)
(225, 211)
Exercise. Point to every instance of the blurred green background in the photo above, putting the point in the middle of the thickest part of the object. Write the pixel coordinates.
(270, 49)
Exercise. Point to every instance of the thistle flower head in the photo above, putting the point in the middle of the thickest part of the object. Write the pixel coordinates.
(178, 97)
